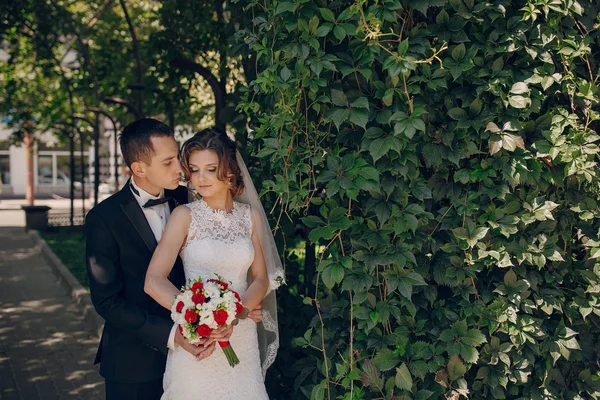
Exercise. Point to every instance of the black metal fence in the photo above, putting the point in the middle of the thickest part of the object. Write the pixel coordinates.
(62, 218)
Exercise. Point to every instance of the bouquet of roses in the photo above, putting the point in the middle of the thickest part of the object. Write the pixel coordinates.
(201, 307)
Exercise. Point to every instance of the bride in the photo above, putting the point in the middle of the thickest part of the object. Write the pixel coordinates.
(225, 232)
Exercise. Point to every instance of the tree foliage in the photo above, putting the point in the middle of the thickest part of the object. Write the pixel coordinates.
(42, 35)
(443, 155)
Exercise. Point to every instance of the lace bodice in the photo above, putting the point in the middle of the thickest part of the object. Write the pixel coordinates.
(219, 243)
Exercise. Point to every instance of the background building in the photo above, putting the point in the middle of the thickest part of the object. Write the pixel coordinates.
(51, 165)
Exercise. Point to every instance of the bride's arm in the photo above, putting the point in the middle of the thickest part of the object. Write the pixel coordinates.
(260, 280)
(157, 284)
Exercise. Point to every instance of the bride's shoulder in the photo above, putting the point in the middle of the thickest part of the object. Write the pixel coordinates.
(191, 209)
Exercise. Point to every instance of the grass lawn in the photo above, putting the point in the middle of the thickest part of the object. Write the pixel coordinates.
(69, 245)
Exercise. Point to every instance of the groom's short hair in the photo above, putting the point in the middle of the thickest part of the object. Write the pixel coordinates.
(135, 139)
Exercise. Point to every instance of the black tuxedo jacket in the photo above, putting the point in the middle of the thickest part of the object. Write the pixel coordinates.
(119, 246)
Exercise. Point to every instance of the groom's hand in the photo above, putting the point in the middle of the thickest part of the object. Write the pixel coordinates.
(256, 314)
(197, 350)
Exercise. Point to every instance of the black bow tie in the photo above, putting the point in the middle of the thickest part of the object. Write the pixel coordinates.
(151, 202)
(156, 202)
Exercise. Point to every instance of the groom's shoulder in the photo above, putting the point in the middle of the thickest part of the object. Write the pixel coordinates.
(107, 207)
(180, 194)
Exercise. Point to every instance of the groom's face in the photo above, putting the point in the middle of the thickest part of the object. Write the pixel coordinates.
(164, 171)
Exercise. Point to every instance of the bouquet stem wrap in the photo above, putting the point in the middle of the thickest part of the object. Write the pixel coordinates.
(232, 358)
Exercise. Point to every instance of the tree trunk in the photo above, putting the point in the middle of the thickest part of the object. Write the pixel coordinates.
(138, 60)
(30, 190)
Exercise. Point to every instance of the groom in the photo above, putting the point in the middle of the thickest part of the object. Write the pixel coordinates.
(121, 235)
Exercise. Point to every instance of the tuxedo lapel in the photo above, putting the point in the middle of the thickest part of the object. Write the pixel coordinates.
(135, 214)
(172, 204)
(177, 197)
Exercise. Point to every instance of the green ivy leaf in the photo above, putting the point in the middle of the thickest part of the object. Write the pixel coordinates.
(380, 147)
(403, 378)
(312, 221)
(457, 113)
(318, 391)
(385, 359)
(403, 47)
(327, 14)
(339, 98)
(456, 368)
(359, 117)
(519, 101)
(333, 273)
(388, 97)
(339, 32)
(361, 102)
(459, 52)
(371, 376)
(313, 24)
(492, 127)
(285, 74)
(339, 116)
(423, 394)
(286, 6)
(511, 142)
(519, 88)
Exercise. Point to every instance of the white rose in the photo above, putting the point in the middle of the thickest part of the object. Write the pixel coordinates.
(209, 320)
(229, 297)
(211, 290)
(187, 299)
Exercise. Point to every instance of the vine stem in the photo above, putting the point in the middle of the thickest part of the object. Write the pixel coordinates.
(440, 221)
(318, 307)
(408, 99)
(351, 313)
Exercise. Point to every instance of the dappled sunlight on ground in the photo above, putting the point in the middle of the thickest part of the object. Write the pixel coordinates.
(45, 349)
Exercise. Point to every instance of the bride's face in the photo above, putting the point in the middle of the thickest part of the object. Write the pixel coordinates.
(203, 166)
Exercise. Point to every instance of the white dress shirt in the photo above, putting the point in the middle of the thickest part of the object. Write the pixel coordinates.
(157, 217)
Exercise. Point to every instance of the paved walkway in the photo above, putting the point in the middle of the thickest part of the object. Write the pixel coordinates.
(45, 351)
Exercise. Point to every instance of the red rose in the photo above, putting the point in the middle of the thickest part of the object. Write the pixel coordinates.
(203, 330)
(198, 298)
(180, 330)
(197, 287)
(237, 296)
(179, 306)
(191, 316)
(224, 285)
(238, 308)
(220, 317)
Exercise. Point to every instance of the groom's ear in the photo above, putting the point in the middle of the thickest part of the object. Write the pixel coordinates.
(138, 169)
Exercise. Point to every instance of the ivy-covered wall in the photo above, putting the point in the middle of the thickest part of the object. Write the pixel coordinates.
(444, 156)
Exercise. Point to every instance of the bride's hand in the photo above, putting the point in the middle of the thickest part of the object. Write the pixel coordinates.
(221, 334)
(200, 350)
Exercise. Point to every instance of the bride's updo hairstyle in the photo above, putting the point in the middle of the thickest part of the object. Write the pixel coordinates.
(216, 140)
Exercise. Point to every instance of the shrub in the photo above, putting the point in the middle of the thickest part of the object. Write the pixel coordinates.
(449, 149)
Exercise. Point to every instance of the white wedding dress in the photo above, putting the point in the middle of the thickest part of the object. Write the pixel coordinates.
(218, 243)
